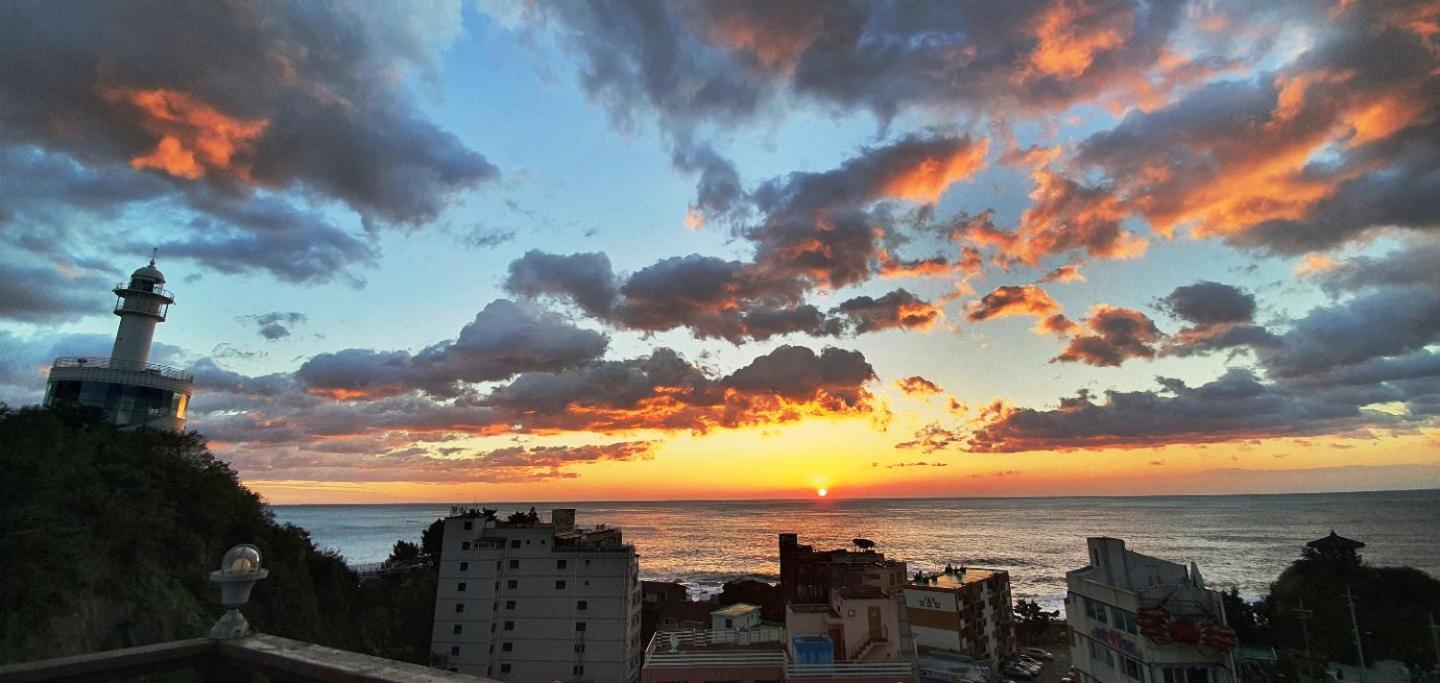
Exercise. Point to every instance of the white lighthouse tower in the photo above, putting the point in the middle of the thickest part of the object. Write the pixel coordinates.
(131, 390)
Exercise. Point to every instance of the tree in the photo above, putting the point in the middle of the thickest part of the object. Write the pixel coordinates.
(1033, 621)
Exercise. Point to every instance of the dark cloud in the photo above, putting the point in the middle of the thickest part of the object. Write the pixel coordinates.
(1378, 324)
(585, 279)
(420, 464)
(52, 293)
(504, 339)
(1236, 406)
(483, 237)
(1112, 336)
(897, 309)
(799, 374)
(1415, 263)
(277, 95)
(727, 62)
(274, 325)
(1210, 303)
(718, 193)
(932, 438)
(918, 386)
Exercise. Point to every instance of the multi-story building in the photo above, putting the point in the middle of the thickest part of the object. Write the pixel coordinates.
(757, 653)
(852, 598)
(1140, 619)
(965, 611)
(521, 600)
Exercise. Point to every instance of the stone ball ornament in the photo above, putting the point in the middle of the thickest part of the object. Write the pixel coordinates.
(238, 573)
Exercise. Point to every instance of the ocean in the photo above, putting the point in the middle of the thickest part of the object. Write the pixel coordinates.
(1242, 541)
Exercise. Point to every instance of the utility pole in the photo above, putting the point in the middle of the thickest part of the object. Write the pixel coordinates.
(1435, 636)
(1304, 616)
(1355, 626)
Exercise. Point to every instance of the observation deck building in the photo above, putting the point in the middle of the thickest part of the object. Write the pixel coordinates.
(131, 390)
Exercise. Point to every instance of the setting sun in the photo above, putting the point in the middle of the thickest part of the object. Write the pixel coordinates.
(822, 492)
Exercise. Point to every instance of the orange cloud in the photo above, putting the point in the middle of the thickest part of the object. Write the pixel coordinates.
(1069, 35)
(194, 137)
(927, 177)
(1013, 300)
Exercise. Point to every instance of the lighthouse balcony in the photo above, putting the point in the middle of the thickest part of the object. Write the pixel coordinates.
(92, 363)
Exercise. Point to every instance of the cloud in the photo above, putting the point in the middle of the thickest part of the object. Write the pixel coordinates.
(52, 293)
(1236, 406)
(932, 438)
(228, 113)
(732, 62)
(275, 325)
(377, 462)
(1020, 300)
(718, 193)
(918, 463)
(584, 278)
(1069, 272)
(918, 386)
(1112, 336)
(504, 339)
(897, 309)
(1220, 317)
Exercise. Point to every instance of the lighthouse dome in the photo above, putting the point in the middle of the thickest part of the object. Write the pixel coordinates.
(148, 272)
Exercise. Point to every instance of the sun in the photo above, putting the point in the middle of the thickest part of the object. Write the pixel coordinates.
(822, 492)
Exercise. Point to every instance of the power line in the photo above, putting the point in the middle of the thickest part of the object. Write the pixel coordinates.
(1355, 627)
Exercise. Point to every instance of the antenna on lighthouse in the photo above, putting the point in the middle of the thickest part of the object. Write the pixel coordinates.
(153, 252)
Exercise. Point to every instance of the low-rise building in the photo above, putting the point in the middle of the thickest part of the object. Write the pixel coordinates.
(965, 611)
(853, 598)
(1140, 619)
(758, 655)
(521, 600)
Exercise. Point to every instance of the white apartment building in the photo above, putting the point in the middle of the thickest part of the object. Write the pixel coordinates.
(1140, 619)
(965, 611)
(533, 602)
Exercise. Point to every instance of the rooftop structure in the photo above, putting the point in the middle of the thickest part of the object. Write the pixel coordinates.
(1140, 618)
(850, 597)
(754, 655)
(1334, 546)
(131, 390)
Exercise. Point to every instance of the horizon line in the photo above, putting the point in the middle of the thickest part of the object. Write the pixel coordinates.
(874, 498)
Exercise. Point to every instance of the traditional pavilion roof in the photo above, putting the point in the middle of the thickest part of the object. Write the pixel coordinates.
(1335, 542)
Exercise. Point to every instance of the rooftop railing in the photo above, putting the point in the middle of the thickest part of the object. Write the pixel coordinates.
(158, 291)
(123, 365)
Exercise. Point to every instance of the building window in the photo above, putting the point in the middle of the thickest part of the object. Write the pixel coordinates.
(1095, 610)
(497, 566)
(1187, 674)
(464, 566)
(1101, 654)
(579, 626)
(465, 545)
(560, 564)
(1132, 669)
(505, 668)
(582, 605)
(579, 647)
(458, 628)
(459, 607)
(509, 604)
(507, 647)
(578, 670)
(515, 543)
(512, 583)
(509, 626)
(495, 606)
(1125, 621)
(460, 587)
(454, 650)
(559, 585)
(469, 526)
(514, 564)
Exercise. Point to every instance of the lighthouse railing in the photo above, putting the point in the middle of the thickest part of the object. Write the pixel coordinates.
(112, 364)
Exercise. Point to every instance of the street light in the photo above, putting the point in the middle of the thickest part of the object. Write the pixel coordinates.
(237, 574)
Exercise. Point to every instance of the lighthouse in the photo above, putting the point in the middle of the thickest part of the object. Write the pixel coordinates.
(131, 390)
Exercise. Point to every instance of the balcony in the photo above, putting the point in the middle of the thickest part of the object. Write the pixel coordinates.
(124, 288)
(255, 657)
(123, 365)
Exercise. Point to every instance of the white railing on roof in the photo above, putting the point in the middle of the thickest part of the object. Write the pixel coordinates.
(903, 671)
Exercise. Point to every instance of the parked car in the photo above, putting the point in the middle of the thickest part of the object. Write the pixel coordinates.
(1038, 653)
(1018, 671)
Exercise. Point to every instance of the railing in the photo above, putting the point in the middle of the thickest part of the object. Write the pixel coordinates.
(158, 291)
(904, 670)
(269, 657)
(368, 569)
(123, 365)
(698, 639)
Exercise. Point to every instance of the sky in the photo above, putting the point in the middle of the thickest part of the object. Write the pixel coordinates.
(501, 251)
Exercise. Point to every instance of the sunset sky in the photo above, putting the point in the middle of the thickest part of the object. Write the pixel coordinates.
(638, 250)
